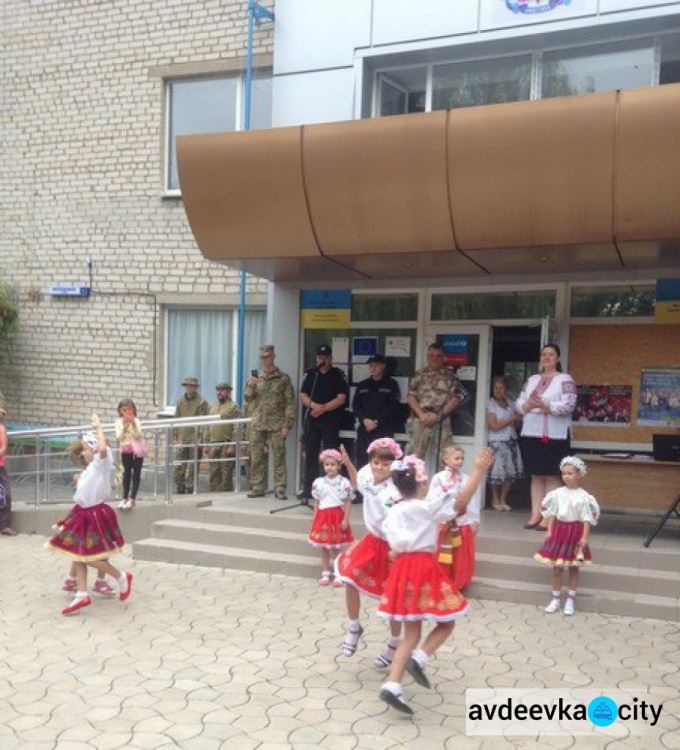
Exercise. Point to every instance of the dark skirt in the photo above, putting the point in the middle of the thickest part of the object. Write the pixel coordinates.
(88, 534)
(543, 458)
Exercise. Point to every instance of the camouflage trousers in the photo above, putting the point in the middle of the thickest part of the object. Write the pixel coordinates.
(221, 469)
(259, 439)
(183, 475)
(422, 439)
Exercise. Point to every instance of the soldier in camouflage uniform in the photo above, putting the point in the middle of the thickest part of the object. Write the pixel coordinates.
(271, 405)
(221, 468)
(434, 392)
(190, 405)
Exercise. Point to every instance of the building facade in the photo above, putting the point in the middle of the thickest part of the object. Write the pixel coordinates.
(92, 96)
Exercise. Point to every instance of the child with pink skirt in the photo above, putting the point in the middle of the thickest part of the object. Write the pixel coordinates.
(90, 533)
(569, 512)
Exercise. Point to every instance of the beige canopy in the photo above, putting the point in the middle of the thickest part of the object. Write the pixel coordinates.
(579, 183)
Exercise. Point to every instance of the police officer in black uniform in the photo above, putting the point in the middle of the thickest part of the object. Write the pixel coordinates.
(376, 406)
(323, 395)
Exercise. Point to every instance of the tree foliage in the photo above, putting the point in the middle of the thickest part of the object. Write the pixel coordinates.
(9, 314)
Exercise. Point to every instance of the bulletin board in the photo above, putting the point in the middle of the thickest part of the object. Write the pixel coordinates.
(615, 355)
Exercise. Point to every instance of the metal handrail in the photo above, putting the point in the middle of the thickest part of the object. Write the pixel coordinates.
(159, 432)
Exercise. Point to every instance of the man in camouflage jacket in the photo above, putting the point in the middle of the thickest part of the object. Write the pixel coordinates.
(192, 404)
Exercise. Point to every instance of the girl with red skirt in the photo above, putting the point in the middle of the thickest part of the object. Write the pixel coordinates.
(416, 588)
(90, 534)
(364, 566)
(332, 495)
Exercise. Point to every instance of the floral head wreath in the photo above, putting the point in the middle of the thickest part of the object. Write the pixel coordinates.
(90, 440)
(330, 453)
(411, 463)
(577, 463)
(388, 444)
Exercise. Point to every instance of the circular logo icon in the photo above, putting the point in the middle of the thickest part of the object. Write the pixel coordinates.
(602, 711)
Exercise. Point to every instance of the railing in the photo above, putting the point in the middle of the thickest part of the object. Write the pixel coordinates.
(39, 456)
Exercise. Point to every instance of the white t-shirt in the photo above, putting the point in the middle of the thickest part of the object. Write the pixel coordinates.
(94, 484)
(502, 414)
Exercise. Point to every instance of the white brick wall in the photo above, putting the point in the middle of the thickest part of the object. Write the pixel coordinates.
(81, 118)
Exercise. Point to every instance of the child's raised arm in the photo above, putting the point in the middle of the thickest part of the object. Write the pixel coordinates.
(99, 432)
(351, 468)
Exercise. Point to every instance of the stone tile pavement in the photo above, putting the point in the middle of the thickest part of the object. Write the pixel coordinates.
(207, 658)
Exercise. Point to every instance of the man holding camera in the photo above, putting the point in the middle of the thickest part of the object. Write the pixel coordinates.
(270, 402)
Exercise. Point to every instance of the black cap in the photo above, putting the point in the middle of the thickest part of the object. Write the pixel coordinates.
(324, 349)
(377, 358)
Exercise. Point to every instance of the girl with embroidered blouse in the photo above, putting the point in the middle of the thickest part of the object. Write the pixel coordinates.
(332, 496)
(416, 588)
(364, 566)
(569, 512)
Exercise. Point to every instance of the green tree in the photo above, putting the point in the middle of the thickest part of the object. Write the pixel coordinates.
(9, 315)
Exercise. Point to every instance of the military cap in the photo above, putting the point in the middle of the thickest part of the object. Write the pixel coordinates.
(377, 358)
(266, 350)
(324, 349)
(190, 381)
(224, 385)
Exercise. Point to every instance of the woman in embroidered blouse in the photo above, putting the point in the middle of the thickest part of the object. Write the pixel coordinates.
(546, 404)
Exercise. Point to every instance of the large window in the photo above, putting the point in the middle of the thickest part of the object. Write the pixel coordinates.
(523, 74)
(612, 302)
(500, 306)
(603, 68)
(213, 105)
(201, 342)
(471, 84)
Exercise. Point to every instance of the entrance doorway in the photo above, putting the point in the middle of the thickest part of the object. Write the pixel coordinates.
(514, 354)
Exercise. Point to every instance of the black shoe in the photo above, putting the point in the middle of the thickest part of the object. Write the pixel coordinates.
(418, 674)
(280, 495)
(396, 701)
(302, 495)
(256, 493)
(180, 490)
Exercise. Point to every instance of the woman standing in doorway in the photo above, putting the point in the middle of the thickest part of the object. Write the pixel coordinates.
(546, 404)
(507, 465)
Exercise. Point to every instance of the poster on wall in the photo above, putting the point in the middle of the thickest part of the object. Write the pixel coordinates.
(603, 405)
(455, 348)
(502, 13)
(659, 397)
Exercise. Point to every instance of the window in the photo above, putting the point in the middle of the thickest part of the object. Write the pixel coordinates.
(212, 105)
(670, 59)
(384, 307)
(201, 342)
(402, 91)
(493, 306)
(603, 68)
(472, 84)
(612, 302)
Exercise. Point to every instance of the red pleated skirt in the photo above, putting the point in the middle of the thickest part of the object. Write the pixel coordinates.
(365, 565)
(416, 589)
(88, 534)
(462, 567)
(326, 531)
(561, 548)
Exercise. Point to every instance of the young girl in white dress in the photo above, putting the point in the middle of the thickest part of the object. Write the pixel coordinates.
(364, 566)
(569, 513)
(416, 588)
(332, 496)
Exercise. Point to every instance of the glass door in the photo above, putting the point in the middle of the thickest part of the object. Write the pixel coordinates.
(467, 350)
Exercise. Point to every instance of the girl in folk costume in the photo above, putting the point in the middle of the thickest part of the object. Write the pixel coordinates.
(90, 534)
(365, 565)
(456, 549)
(332, 495)
(129, 434)
(416, 588)
(569, 513)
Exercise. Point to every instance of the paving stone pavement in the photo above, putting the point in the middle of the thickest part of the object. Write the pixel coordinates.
(202, 658)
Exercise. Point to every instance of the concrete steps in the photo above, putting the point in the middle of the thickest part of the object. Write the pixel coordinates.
(625, 579)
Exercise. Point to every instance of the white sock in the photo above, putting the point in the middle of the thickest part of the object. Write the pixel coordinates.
(70, 578)
(122, 583)
(392, 687)
(571, 594)
(394, 642)
(80, 594)
(421, 657)
(556, 595)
